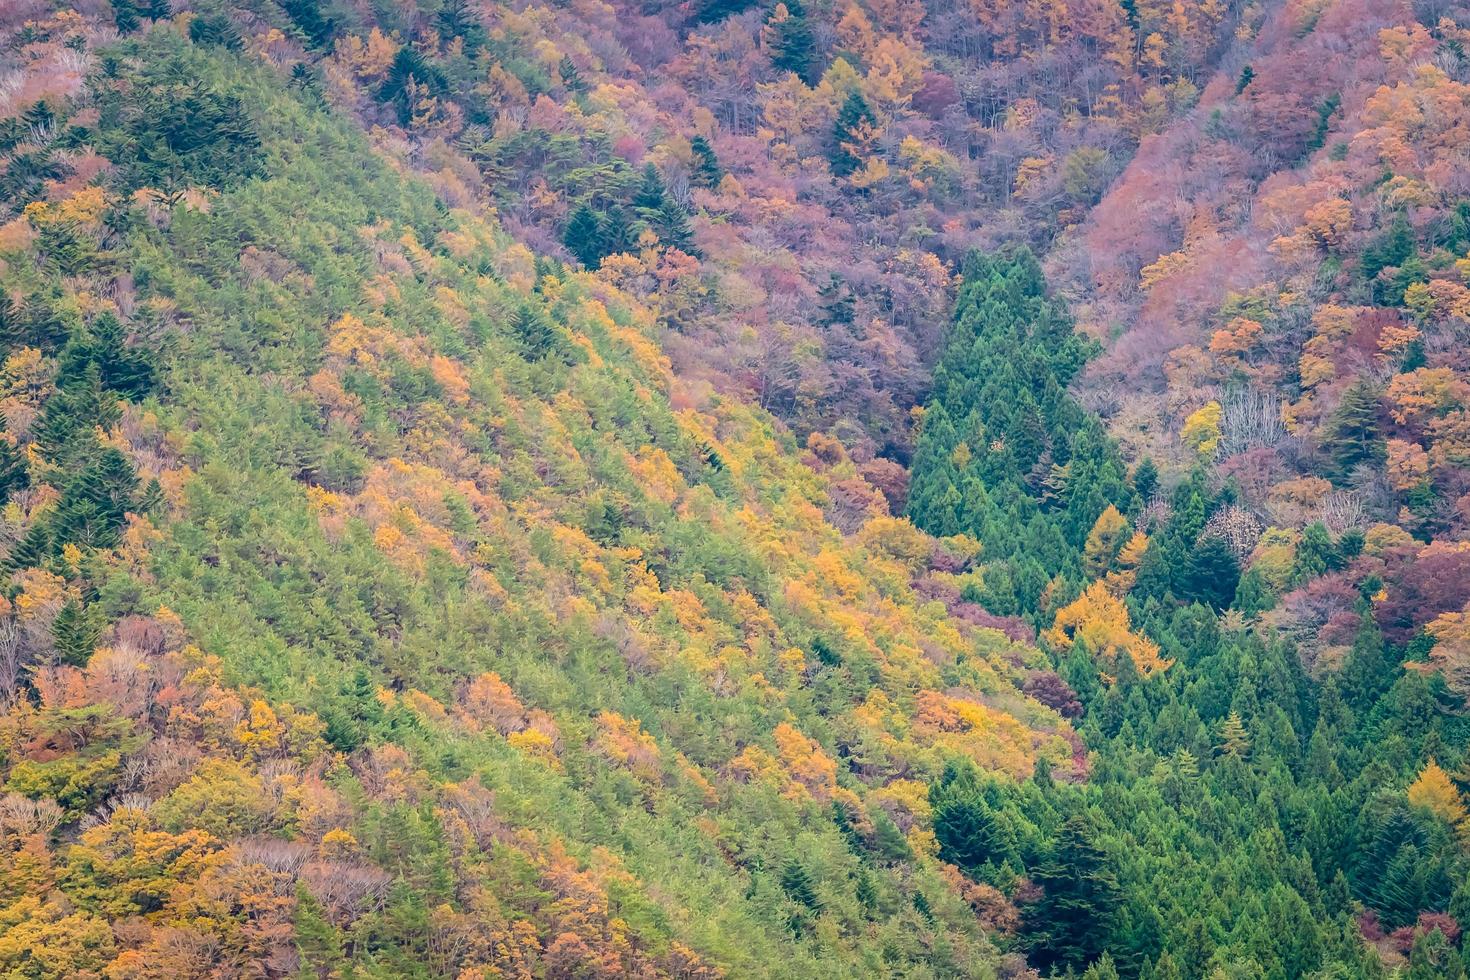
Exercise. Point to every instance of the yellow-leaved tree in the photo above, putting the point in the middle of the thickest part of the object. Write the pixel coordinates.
(1433, 791)
(1104, 541)
(1130, 557)
(1099, 620)
(1201, 430)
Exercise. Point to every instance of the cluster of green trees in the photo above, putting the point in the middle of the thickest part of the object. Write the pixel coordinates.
(99, 487)
(1242, 818)
(400, 464)
(611, 218)
(1005, 454)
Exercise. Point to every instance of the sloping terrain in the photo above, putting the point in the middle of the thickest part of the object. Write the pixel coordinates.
(860, 489)
(437, 626)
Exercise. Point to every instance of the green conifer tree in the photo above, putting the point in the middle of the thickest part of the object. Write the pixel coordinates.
(793, 47)
(1069, 925)
(707, 171)
(850, 117)
(796, 882)
(1351, 437)
(583, 237)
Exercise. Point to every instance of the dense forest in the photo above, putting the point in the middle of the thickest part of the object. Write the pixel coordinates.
(823, 488)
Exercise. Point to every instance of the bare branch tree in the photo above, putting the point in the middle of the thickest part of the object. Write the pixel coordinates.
(1341, 510)
(1237, 527)
(1250, 419)
(12, 660)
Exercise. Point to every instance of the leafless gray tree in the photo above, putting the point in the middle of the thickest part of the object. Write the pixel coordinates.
(1250, 419)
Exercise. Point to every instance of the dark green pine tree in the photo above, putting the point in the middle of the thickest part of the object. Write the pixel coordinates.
(1069, 925)
(571, 78)
(307, 15)
(1351, 437)
(216, 29)
(457, 19)
(843, 821)
(1145, 480)
(650, 196)
(39, 325)
(796, 882)
(793, 47)
(153, 500)
(408, 64)
(853, 114)
(125, 16)
(970, 832)
(654, 208)
(1400, 892)
(31, 551)
(1393, 248)
(707, 171)
(1210, 574)
(583, 237)
(76, 631)
(94, 505)
(303, 80)
(66, 430)
(672, 226)
(619, 232)
(130, 371)
(538, 336)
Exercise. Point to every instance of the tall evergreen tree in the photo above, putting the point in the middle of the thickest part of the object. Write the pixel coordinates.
(583, 237)
(1146, 479)
(538, 336)
(796, 882)
(571, 77)
(1351, 436)
(1070, 924)
(707, 171)
(971, 833)
(125, 369)
(307, 15)
(1210, 574)
(851, 117)
(75, 631)
(793, 47)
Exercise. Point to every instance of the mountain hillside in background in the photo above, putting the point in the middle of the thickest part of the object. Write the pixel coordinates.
(734, 489)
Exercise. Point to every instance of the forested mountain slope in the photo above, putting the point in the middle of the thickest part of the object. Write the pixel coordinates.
(438, 628)
(1264, 625)
(849, 489)
(814, 176)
